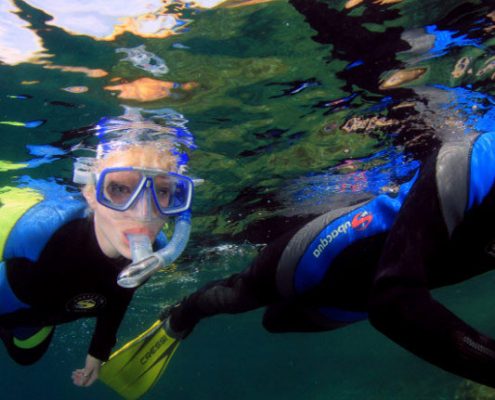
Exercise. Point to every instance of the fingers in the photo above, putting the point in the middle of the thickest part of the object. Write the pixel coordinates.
(78, 377)
(83, 378)
(91, 378)
(86, 376)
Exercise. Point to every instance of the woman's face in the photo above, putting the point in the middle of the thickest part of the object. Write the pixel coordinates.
(111, 226)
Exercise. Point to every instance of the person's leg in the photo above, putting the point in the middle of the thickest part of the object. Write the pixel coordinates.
(291, 317)
(26, 345)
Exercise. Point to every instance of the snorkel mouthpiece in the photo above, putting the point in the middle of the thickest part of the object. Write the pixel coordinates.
(140, 247)
(147, 263)
(138, 272)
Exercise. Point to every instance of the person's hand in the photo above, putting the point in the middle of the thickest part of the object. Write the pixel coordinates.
(87, 375)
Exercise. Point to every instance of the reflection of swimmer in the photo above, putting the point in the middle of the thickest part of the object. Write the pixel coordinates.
(91, 73)
(401, 77)
(62, 104)
(44, 154)
(76, 89)
(242, 3)
(29, 124)
(361, 124)
(20, 96)
(461, 67)
(150, 25)
(140, 58)
(355, 3)
(61, 263)
(490, 16)
(9, 166)
(148, 89)
(379, 260)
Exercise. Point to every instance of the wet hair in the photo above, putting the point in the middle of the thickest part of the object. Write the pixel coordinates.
(147, 155)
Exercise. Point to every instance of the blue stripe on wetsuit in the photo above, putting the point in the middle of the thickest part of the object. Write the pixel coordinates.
(28, 238)
(482, 169)
(374, 217)
(35, 228)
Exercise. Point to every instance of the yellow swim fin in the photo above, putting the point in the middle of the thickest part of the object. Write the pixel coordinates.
(133, 369)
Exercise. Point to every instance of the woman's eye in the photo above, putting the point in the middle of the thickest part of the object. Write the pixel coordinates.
(115, 189)
(163, 192)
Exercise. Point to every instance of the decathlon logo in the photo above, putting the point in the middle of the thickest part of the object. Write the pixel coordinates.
(361, 221)
(325, 241)
(153, 350)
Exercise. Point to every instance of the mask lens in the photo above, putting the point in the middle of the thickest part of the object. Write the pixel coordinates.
(164, 188)
(172, 193)
(120, 186)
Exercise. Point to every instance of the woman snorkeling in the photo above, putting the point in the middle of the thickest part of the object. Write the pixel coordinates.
(62, 262)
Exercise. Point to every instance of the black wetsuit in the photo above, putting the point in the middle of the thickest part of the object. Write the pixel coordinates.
(442, 234)
(71, 279)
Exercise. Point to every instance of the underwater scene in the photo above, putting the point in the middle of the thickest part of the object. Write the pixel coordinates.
(281, 110)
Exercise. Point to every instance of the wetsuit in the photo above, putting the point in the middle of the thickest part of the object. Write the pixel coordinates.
(71, 279)
(55, 272)
(380, 262)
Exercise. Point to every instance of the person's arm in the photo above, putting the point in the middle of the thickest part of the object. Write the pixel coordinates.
(401, 305)
(103, 340)
(253, 288)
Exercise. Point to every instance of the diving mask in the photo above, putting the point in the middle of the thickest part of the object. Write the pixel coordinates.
(125, 188)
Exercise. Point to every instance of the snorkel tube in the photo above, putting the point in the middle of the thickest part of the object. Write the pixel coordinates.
(145, 263)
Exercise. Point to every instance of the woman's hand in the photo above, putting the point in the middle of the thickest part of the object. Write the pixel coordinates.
(86, 376)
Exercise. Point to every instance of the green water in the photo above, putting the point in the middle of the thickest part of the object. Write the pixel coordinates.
(277, 85)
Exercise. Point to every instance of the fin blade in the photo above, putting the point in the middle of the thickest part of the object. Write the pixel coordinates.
(134, 369)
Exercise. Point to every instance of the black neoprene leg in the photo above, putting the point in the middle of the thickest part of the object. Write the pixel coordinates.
(290, 317)
(30, 352)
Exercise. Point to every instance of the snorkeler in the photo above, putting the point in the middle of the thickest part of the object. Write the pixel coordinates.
(379, 260)
(62, 263)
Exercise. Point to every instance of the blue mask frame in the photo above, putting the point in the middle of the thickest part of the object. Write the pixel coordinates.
(177, 206)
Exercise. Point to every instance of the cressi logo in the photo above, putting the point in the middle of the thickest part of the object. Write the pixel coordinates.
(153, 350)
(362, 220)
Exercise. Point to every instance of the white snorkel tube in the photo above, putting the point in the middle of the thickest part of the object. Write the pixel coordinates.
(145, 263)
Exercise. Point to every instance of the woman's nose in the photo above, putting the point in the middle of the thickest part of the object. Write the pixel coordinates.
(144, 208)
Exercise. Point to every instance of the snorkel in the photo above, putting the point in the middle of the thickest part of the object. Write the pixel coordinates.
(145, 262)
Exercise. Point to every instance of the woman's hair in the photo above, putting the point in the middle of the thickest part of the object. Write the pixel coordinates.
(147, 155)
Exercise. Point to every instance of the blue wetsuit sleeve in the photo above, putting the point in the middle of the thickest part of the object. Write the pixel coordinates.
(401, 305)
